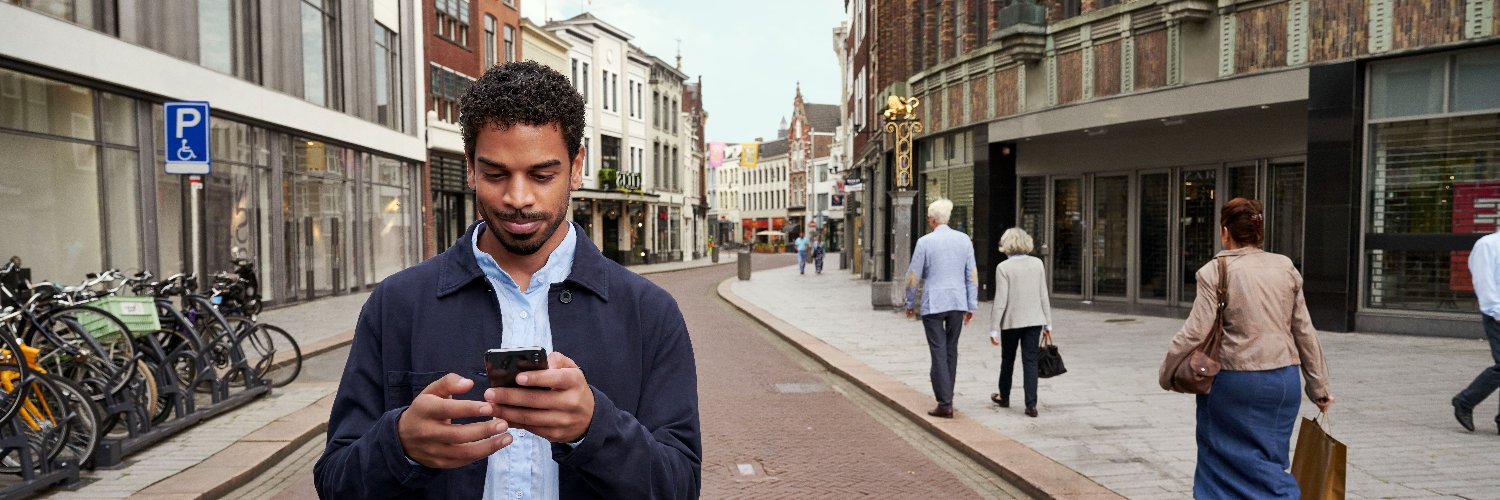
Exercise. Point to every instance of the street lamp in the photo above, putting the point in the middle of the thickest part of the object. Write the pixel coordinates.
(901, 121)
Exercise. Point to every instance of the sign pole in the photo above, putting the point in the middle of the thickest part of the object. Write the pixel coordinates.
(195, 208)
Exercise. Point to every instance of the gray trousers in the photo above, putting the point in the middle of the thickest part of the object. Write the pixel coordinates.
(942, 342)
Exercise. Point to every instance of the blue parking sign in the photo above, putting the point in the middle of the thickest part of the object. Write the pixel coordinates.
(186, 137)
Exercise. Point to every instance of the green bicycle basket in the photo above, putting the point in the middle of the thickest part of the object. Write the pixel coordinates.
(137, 313)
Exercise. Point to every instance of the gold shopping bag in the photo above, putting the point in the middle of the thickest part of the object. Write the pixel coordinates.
(1319, 462)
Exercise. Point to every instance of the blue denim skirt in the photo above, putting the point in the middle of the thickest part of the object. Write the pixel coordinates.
(1244, 435)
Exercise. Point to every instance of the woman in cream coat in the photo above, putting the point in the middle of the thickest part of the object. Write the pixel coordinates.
(1022, 314)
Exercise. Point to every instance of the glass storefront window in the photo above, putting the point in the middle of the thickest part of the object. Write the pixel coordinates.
(1156, 235)
(119, 119)
(1242, 183)
(1067, 232)
(122, 206)
(50, 207)
(1407, 88)
(1200, 230)
(45, 106)
(388, 213)
(1032, 216)
(1429, 180)
(1475, 79)
(1285, 210)
(1111, 235)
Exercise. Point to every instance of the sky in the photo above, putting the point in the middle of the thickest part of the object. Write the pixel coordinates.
(751, 54)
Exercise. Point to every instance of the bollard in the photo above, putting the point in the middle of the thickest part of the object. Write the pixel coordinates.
(714, 253)
(744, 263)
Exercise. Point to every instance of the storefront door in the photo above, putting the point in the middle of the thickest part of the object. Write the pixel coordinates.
(1110, 236)
(1067, 237)
(452, 212)
(1199, 236)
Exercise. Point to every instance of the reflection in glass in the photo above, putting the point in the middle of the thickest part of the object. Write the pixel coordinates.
(215, 48)
(119, 119)
(122, 204)
(1474, 78)
(1241, 183)
(1033, 213)
(1284, 217)
(1111, 235)
(314, 61)
(1200, 232)
(49, 192)
(45, 106)
(1067, 232)
(1156, 234)
(1407, 88)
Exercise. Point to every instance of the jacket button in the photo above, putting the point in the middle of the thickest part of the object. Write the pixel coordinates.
(567, 297)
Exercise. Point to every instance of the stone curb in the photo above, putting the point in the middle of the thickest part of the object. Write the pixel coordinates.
(228, 469)
(1034, 473)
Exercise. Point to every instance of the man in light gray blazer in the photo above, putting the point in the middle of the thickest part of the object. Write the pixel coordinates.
(943, 264)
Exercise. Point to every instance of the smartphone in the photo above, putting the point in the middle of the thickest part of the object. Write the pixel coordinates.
(502, 365)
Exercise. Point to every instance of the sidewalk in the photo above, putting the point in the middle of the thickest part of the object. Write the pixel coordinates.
(1108, 420)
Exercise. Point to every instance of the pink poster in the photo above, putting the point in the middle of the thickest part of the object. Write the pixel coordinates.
(715, 154)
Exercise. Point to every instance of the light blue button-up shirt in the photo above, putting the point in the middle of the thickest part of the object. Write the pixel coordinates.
(525, 468)
(944, 259)
(1484, 266)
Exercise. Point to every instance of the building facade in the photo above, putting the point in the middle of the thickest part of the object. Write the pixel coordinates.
(1114, 131)
(724, 197)
(695, 169)
(811, 188)
(544, 47)
(765, 195)
(463, 39)
(314, 146)
(672, 216)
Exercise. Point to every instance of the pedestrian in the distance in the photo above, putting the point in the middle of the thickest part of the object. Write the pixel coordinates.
(1022, 314)
(801, 243)
(1245, 423)
(944, 258)
(1484, 266)
(817, 252)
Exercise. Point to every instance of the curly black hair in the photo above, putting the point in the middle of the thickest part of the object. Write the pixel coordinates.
(524, 93)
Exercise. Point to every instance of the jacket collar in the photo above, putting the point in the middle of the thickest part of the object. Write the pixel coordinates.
(458, 267)
(1238, 252)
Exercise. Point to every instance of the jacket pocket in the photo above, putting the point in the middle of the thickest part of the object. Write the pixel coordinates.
(402, 387)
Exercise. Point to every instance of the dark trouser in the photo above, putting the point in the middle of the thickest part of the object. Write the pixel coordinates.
(818, 260)
(1489, 379)
(1028, 338)
(942, 342)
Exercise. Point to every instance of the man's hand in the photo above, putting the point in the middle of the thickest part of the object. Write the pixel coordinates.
(561, 414)
(968, 316)
(1324, 403)
(429, 437)
(911, 313)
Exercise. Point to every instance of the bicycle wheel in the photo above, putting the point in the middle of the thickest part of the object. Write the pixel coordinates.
(87, 345)
(13, 371)
(277, 358)
(55, 416)
(142, 391)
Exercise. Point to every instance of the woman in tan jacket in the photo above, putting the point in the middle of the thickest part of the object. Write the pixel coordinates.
(1245, 422)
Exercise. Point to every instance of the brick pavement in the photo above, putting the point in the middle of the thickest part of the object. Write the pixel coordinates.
(802, 437)
(1108, 419)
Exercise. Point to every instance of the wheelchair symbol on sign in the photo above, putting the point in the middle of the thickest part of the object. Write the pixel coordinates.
(185, 153)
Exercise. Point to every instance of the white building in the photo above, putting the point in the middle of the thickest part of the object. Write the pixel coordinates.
(724, 197)
(764, 195)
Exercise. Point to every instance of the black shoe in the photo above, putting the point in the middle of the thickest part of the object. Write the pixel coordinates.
(1003, 402)
(1465, 416)
(941, 412)
(1031, 412)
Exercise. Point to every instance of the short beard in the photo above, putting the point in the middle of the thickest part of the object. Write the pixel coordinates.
(537, 241)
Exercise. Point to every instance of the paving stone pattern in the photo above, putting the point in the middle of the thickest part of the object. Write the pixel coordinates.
(194, 445)
(800, 443)
(1108, 419)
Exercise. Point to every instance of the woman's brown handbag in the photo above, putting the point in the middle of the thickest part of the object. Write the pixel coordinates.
(1195, 373)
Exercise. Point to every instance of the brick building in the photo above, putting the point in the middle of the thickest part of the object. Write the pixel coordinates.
(462, 39)
(1112, 131)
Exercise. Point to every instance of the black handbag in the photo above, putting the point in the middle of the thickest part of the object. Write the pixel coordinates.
(1049, 361)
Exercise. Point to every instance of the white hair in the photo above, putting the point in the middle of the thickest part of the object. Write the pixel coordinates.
(940, 210)
(1015, 241)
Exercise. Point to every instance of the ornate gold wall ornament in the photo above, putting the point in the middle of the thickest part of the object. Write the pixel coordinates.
(901, 120)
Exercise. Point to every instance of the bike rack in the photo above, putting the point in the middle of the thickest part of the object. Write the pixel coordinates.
(33, 478)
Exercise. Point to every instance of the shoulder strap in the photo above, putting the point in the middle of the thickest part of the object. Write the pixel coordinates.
(1210, 345)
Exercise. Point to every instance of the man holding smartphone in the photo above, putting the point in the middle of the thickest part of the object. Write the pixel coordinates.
(615, 412)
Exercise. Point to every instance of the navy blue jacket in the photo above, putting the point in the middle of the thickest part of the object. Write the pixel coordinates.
(441, 315)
